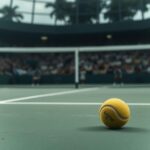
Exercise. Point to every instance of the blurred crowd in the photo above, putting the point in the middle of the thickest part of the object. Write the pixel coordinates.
(63, 64)
(43, 64)
(106, 62)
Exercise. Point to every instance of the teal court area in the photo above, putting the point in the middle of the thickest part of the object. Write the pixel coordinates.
(46, 118)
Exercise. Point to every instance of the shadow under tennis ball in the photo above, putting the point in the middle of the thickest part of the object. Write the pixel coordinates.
(105, 129)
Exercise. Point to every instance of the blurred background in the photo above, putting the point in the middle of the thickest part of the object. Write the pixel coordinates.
(31, 31)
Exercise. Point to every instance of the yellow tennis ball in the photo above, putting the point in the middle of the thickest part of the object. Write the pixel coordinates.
(114, 113)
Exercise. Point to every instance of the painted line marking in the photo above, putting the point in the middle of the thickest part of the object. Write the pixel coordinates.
(67, 103)
(47, 95)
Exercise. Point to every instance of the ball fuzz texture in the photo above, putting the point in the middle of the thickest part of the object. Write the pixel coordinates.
(114, 113)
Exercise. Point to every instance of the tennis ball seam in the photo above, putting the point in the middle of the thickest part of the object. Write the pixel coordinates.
(116, 112)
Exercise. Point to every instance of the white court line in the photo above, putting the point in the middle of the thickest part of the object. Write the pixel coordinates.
(68, 103)
(47, 95)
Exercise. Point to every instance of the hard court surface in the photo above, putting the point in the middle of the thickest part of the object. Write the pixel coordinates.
(43, 118)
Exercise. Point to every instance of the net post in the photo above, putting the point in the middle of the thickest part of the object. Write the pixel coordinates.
(77, 68)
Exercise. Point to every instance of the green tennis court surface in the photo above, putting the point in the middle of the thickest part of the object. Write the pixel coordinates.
(46, 118)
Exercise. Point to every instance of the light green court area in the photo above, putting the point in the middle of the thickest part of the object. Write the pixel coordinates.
(71, 127)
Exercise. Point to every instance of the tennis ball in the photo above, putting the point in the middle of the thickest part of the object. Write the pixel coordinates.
(114, 113)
